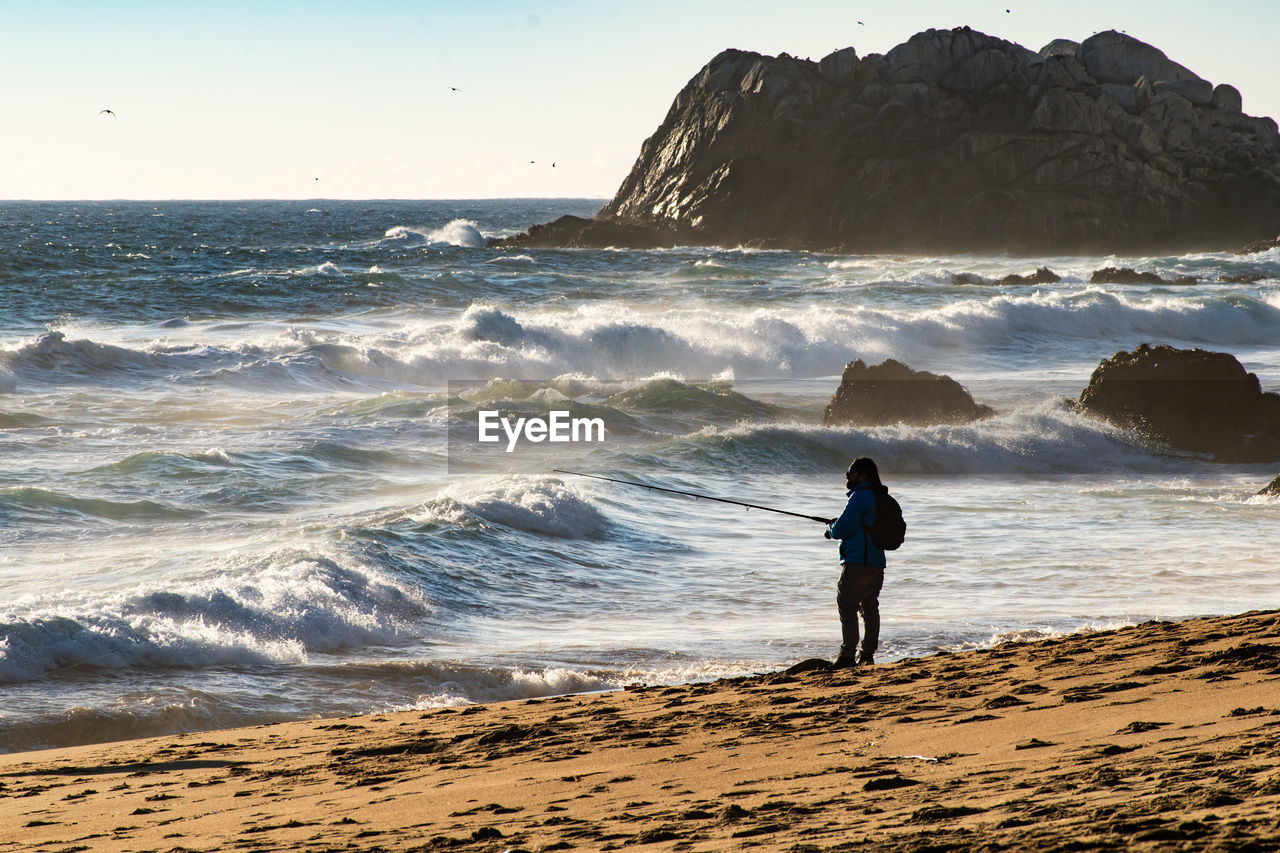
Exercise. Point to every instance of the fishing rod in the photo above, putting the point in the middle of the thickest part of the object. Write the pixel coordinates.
(695, 495)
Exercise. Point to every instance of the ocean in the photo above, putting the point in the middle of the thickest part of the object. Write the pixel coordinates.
(238, 488)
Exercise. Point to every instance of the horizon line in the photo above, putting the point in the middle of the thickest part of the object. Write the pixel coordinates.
(265, 198)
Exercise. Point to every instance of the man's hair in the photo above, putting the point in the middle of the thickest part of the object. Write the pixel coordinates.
(867, 468)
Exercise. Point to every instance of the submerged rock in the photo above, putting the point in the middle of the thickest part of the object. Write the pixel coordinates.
(952, 141)
(1193, 400)
(1043, 275)
(1125, 275)
(892, 393)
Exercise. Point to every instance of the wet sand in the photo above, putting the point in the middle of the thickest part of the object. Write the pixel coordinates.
(1160, 736)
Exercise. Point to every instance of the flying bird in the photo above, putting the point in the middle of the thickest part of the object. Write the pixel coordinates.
(454, 89)
(108, 112)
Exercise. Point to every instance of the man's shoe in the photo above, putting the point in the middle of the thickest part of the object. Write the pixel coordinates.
(844, 662)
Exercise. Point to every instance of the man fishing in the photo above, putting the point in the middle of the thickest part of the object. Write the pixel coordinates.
(862, 565)
(871, 523)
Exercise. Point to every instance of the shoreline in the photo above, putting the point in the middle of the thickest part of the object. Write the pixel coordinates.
(1151, 736)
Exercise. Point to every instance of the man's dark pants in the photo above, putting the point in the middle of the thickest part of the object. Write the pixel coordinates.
(858, 592)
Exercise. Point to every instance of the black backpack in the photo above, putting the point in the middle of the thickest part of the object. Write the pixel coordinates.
(889, 528)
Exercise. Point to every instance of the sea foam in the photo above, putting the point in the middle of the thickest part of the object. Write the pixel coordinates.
(1044, 440)
(534, 505)
(460, 684)
(459, 232)
(1072, 330)
(279, 607)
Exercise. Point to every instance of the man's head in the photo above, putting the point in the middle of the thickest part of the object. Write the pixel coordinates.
(862, 470)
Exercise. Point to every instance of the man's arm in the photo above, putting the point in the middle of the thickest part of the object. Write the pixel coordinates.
(849, 522)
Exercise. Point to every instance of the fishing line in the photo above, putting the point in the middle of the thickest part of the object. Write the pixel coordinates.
(695, 495)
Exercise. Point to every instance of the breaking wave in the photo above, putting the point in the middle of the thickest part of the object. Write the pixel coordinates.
(459, 232)
(279, 608)
(598, 340)
(1045, 441)
(543, 506)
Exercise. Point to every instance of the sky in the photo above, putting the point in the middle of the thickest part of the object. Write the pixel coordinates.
(434, 100)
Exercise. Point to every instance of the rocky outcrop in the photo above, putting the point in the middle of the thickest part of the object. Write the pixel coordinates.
(1193, 400)
(1042, 275)
(1106, 275)
(1116, 58)
(1126, 275)
(1272, 489)
(574, 232)
(1261, 246)
(955, 140)
(892, 393)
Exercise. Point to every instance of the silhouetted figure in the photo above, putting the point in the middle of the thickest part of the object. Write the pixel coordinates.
(862, 565)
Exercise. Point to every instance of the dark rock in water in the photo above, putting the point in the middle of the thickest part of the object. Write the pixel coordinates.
(1112, 275)
(951, 141)
(574, 232)
(1043, 275)
(1273, 489)
(1261, 246)
(1193, 400)
(1124, 275)
(1244, 278)
(892, 393)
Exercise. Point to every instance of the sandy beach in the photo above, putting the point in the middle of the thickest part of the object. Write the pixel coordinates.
(1164, 735)
(420, 423)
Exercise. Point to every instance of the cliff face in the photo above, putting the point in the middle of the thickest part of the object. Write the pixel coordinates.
(956, 140)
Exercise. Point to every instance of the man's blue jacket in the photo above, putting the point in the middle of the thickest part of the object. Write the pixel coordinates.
(856, 547)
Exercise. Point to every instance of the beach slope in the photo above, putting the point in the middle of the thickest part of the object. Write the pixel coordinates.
(1164, 735)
